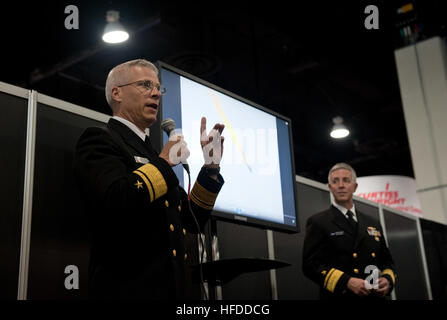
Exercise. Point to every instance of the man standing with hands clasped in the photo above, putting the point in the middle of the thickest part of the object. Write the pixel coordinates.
(139, 215)
(344, 250)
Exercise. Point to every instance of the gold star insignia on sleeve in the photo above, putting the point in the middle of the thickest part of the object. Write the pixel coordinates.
(139, 184)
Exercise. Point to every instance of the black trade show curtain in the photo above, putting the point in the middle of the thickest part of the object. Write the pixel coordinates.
(12, 163)
(435, 243)
(291, 282)
(59, 235)
(405, 248)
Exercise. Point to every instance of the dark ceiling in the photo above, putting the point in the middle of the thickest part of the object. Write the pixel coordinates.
(309, 60)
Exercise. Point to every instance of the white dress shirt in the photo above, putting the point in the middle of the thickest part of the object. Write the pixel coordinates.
(344, 211)
(132, 127)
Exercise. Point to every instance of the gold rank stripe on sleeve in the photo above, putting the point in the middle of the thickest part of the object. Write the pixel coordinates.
(153, 179)
(148, 185)
(202, 197)
(330, 282)
(390, 273)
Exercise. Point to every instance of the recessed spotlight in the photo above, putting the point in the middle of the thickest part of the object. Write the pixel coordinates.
(114, 32)
(339, 130)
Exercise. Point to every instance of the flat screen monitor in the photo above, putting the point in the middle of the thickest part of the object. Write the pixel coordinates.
(257, 162)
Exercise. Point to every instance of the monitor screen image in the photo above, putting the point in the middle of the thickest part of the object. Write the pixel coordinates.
(257, 163)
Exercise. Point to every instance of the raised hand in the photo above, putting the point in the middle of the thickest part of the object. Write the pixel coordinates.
(212, 143)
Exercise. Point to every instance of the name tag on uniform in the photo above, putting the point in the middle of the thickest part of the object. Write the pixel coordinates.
(337, 233)
(141, 160)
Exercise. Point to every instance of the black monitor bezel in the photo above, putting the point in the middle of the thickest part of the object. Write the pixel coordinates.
(224, 216)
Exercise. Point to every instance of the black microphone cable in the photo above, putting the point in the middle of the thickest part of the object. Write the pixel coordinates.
(200, 236)
(168, 125)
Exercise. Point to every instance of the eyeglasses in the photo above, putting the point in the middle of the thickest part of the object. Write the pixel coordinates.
(147, 85)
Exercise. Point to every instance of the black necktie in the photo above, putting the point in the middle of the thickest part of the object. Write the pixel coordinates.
(351, 220)
(148, 144)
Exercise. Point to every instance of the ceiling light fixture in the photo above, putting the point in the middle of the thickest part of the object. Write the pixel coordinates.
(339, 130)
(114, 32)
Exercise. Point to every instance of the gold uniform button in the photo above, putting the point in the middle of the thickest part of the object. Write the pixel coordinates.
(354, 255)
(179, 208)
(356, 271)
(171, 227)
(373, 255)
(186, 256)
(377, 238)
(174, 253)
(323, 272)
(166, 203)
(184, 232)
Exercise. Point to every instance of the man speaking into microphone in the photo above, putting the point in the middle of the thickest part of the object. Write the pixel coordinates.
(139, 215)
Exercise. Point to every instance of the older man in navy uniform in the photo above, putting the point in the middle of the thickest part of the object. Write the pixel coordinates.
(344, 250)
(139, 214)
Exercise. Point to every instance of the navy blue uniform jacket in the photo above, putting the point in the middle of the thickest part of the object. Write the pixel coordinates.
(139, 215)
(333, 252)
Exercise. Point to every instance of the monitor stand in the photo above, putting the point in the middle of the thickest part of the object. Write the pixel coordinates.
(222, 271)
(218, 272)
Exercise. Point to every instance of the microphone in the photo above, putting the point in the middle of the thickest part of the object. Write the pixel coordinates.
(168, 125)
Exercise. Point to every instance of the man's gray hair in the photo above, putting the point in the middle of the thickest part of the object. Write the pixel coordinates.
(119, 75)
(342, 165)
